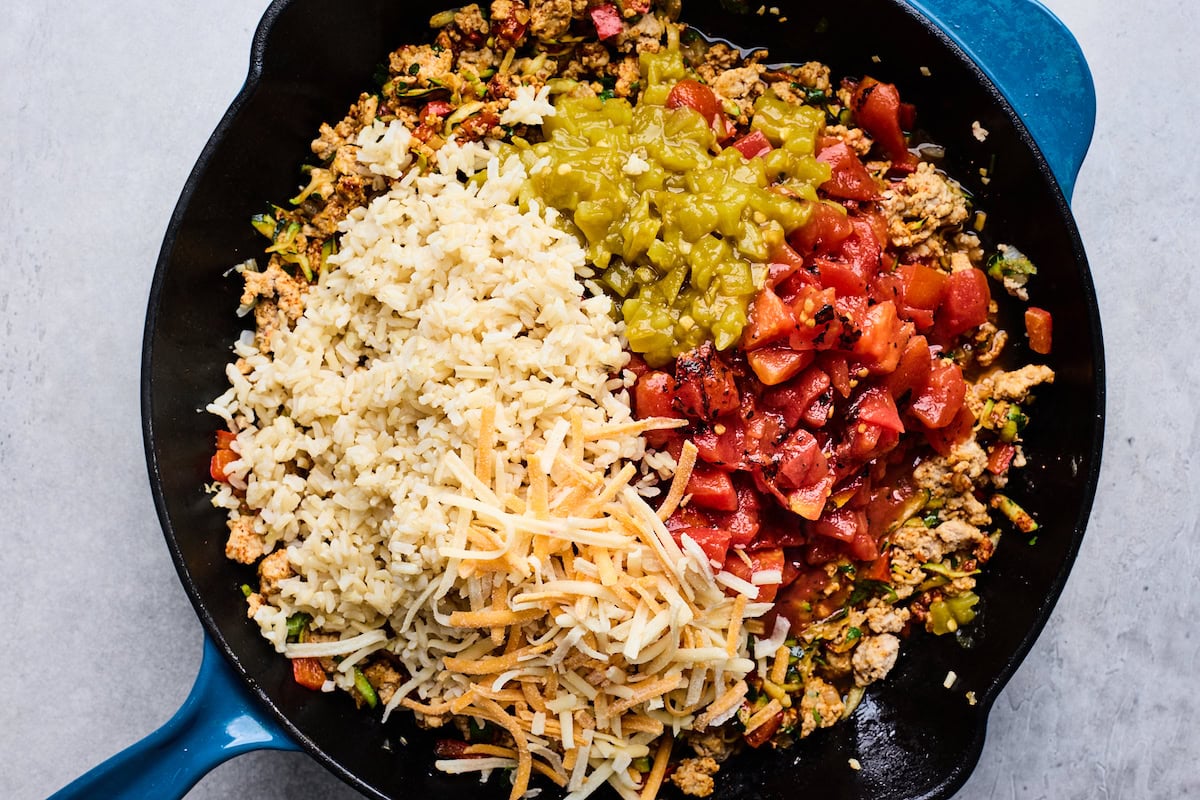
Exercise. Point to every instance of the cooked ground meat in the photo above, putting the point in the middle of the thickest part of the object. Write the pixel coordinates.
(693, 776)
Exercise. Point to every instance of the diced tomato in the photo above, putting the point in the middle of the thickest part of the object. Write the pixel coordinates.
(696, 96)
(863, 548)
(938, 401)
(763, 733)
(921, 286)
(818, 325)
(752, 145)
(839, 373)
(653, 395)
(774, 365)
(809, 501)
(637, 365)
(850, 179)
(912, 371)
(784, 263)
(793, 398)
(712, 488)
(452, 748)
(225, 439)
(713, 541)
(943, 440)
(705, 387)
(964, 303)
(878, 570)
(770, 319)
(882, 338)
(842, 524)
(801, 462)
(308, 673)
(856, 261)
(607, 20)
(877, 109)
(765, 560)
(827, 226)
(1000, 458)
(688, 517)
(875, 406)
(803, 589)
(1039, 326)
(743, 524)
(726, 449)
(218, 463)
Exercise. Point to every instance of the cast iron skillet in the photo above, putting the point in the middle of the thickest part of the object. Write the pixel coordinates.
(914, 738)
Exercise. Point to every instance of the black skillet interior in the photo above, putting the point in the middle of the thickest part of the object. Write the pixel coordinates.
(914, 738)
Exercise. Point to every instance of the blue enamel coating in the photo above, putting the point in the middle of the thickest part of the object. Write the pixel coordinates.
(1036, 63)
(218, 721)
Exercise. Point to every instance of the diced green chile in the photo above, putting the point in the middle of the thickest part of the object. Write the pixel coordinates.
(673, 228)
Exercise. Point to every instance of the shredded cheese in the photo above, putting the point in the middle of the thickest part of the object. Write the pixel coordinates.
(595, 633)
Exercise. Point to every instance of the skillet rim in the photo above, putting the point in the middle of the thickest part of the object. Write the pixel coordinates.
(958, 775)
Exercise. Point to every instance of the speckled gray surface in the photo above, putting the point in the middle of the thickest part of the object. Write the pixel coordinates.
(103, 120)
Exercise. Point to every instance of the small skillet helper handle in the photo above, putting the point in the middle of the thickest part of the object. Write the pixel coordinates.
(1036, 63)
(217, 722)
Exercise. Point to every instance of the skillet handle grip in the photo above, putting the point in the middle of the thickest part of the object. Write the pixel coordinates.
(215, 723)
(1036, 63)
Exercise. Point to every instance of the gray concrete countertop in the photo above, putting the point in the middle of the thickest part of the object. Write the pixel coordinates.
(107, 105)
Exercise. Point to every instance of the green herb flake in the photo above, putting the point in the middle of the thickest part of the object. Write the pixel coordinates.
(414, 69)
(853, 634)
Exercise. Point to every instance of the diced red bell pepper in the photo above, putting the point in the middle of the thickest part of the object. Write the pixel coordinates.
(753, 145)
(763, 733)
(1000, 458)
(1039, 328)
(308, 673)
(607, 20)
(219, 462)
(225, 439)
(877, 109)
(433, 111)
(850, 179)
(712, 488)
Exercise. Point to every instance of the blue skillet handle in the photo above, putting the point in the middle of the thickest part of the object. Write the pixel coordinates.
(1036, 63)
(218, 721)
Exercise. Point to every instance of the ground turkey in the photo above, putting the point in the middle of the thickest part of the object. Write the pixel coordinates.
(694, 776)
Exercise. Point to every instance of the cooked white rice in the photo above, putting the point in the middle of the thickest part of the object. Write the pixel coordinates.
(445, 299)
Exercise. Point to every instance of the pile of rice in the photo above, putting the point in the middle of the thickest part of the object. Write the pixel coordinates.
(446, 299)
